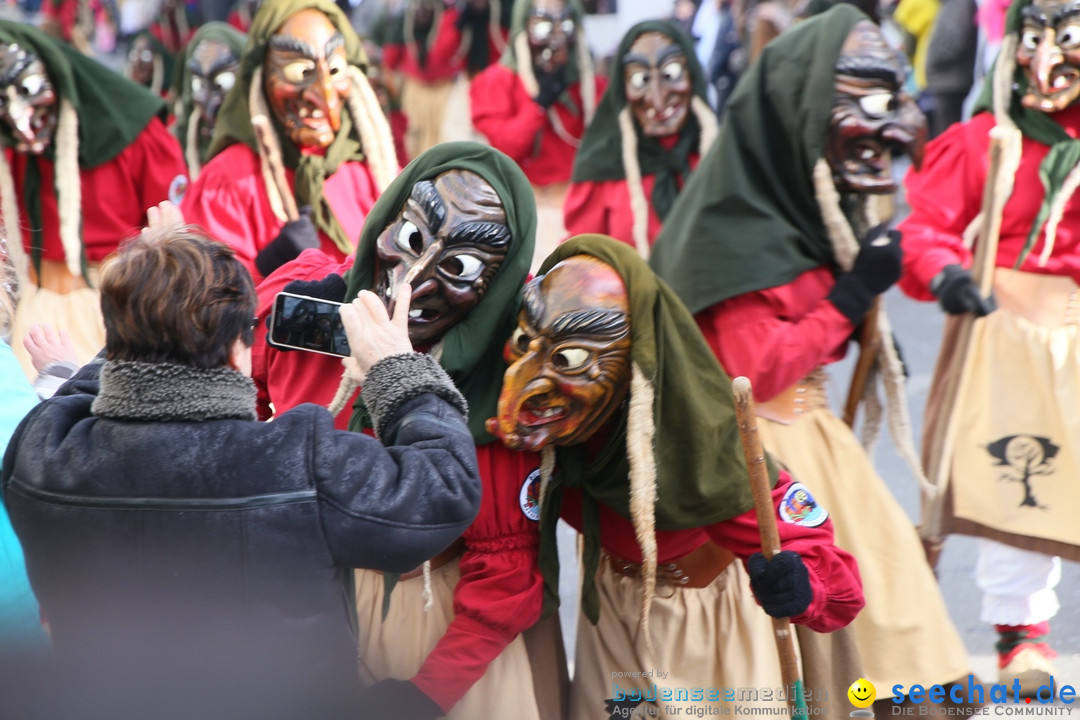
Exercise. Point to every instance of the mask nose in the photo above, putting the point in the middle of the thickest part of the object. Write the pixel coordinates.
(1048, 57)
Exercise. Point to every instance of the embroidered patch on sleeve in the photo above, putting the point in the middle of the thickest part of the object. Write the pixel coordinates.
(530, 496)
(177, 189)
(799, 507)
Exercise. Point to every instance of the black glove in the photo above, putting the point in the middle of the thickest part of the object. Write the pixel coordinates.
(295, 237)
(957, 293)
(876, 269)
(781, 585)
(552, 86)
(332, 287)
(398, 700)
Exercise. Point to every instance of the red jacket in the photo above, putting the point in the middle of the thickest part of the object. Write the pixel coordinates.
(500, 591)
(115, 195)
(229, 200)
(834, 574)
(776, 336)
(947, 194)
(516, 125)
(443, 61)
(604, 207)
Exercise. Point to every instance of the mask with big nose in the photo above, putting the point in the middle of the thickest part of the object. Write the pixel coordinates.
(307, 79)
(28, 101)
(213, 68)
(1049, 53)
(569, 357)
(447, 242)
(872, 119)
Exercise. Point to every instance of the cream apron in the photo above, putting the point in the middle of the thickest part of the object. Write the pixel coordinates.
(398, 646)
(904, 634)
(1015, 468)
(425, 106)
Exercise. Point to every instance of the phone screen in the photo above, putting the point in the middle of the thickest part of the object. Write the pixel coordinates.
(306, 323)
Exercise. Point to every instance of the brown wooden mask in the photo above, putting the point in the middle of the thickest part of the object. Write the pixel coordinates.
(658, 85)
(1049, 53)
(551, 31)
(569, 357)
(213, 67)
(28, 101)
(449, 240)
(307, 79)
(872, 119)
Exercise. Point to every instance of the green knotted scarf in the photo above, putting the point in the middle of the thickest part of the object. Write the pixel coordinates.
(112, 111)
(234, 120)
(748, 219)
(600, 156)
(701, 475)
(221, 32)
(472, 350)
(1039, 126)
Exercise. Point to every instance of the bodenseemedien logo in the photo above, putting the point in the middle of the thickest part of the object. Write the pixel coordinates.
(862, 694)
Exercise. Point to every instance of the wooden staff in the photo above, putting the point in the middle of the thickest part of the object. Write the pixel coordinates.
(269, 150)
(868, 343)
(940, 451)
(770, 536)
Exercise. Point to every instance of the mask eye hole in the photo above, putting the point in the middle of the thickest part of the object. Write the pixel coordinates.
(519, 341)
(638, 80)
(409, 239)
(569, 359)
(462, 267)
(298, 72)
(542, 30)
(32, 84)
(673, 71)
(337, 64)
(1030, 39)
(225, 80)
(568, 27)
(1069, 36)
(196, 84)
(878, 105)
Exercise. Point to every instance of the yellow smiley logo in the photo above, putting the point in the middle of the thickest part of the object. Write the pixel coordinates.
(861, 693)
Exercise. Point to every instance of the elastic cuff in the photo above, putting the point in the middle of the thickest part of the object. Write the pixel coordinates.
(395, 380)
(851, 298)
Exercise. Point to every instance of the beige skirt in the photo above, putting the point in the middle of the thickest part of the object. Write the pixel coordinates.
(550, 230)
(425, 107)
(1015, 466)
(78, 312)
(716, 637)
(398, 646)
(904, 633)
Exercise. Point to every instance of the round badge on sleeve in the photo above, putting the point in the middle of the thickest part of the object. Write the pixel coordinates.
(177, 188)
(800, 508)
(529, 498)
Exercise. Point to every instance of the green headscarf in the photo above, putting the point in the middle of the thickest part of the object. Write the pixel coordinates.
(472, 350)
(215, 31)
(701, 475)
(234, 120)
(112, 110)
(755, 185)
(518, 24)
(600, 155)
(1039, 126)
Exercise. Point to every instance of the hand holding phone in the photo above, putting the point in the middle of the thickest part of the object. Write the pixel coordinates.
(374, 335)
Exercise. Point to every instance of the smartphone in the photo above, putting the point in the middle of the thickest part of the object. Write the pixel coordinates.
(306, 323)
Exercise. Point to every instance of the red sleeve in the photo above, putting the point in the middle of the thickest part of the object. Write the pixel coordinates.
(776, 336)
(228, 201)
(504, 113)
(500, 591)
(945, 195)
(586, 210)
(160, 163)
(393, 56)
(834, 574)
